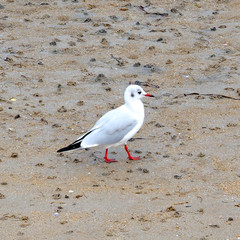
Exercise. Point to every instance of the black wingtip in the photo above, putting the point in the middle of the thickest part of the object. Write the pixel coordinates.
(70, 147)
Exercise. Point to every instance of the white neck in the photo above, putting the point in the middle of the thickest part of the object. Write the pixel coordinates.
(136, 106)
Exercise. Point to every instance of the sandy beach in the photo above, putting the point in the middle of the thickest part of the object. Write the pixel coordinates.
(64, 63)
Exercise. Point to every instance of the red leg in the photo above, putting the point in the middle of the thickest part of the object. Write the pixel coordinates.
(129, 156)
(107, 160)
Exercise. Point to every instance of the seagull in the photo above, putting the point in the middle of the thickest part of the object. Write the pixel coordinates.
(117, 126)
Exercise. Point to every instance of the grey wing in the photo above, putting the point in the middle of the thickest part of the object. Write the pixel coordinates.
(110, 129)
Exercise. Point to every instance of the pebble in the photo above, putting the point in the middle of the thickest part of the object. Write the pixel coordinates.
(108, 89)
(1, 109)
(53, 43)
(160, 39)
(87, 20)
(138, 64)
(145, 170)
(100, 77)
(56, 214)
(2, 196)
(230, 219)
(169, 61)
(80, 103)
(213, 29)
(71, 43)
(104, 41)
(222, 26)
(201, 154)
(238, 91)
(71, 83)
(115, 18)
(62, 109)
(17, 116)
(170, 209)
(158, 125)
(93, 60)
(79, 196)
(177, 177)
(214, 225)
(14, 155)
(101, 31)
(56, 125)
(56, 196)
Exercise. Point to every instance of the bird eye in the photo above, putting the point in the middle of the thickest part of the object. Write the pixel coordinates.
(139, 92)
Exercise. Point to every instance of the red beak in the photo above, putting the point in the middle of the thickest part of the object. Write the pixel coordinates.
(148, 95)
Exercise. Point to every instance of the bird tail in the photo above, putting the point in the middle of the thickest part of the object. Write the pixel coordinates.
(70, 147)
(74, 145)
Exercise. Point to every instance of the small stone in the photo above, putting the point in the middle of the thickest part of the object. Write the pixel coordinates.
(2, 196)
(160, 39)
(174, 10)
(102, 31)
(177, 177)
(169, 61)
(87, 20)
(1, 109)
(145, 170)
(106, 174)
(62, 109)
(138, 64)
(213, 29)
(201, 154)
(214, 225)
(104, 41)
(222, 26)
(70, 83)
(100, 77)
(56, 196)
(93, 60)
(39, 165)
(108, 89)
(77, 160)
(17, 116)
(170, 209)
(56, 125)
(158, 125)
(230, 219)
(51, 177)
(66, 196)
(137, 151)
(53, 43)
(238, 91)
(14, 155)
(152, 48)
(79, 196)
(80, 103)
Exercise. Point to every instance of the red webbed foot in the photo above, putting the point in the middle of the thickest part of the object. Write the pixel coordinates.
(129, 155)
(107, 160)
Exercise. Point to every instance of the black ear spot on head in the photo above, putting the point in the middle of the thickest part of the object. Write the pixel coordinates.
(132, 94)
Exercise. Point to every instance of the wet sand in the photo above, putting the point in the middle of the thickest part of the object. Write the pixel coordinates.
(64, 64)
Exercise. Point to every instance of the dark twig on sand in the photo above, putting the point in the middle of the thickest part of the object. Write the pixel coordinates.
(208, 95)
(153, 13)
